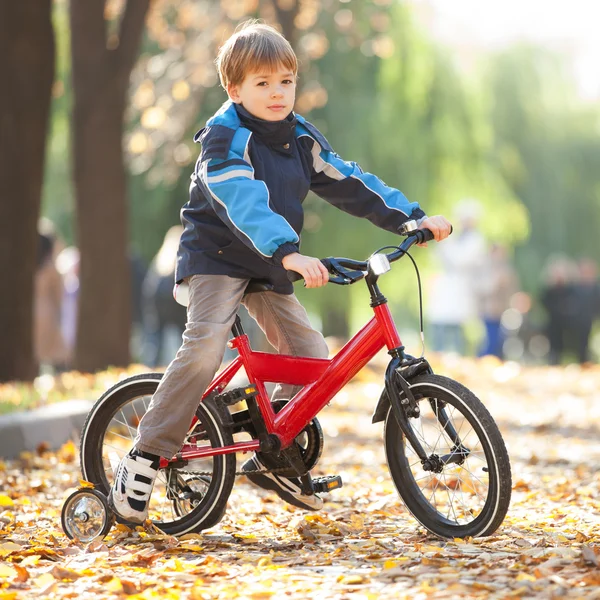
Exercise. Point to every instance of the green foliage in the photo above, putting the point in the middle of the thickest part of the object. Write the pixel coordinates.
(514, 136)
(546, 147)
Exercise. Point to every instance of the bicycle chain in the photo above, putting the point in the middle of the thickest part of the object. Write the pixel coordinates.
(237, 473)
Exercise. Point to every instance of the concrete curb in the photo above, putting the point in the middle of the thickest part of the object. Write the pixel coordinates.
(54, 425)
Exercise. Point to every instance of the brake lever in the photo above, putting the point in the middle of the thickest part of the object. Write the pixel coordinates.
(340, 275)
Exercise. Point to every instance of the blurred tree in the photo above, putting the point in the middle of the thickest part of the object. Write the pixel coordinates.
(27, 66)
(546, 146)
(104, 47)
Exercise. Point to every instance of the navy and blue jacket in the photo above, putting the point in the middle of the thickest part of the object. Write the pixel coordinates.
(245, 209)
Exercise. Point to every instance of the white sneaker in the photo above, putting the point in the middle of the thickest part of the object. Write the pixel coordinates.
(134, 479)
(287, 488)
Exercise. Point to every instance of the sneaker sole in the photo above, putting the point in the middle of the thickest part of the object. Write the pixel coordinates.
(118, 517)
(267, 483)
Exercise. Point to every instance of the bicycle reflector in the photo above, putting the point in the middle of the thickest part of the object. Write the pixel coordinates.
(379, 264)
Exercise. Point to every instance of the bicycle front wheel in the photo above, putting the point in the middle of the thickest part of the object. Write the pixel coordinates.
(184, 500)
(464, 487)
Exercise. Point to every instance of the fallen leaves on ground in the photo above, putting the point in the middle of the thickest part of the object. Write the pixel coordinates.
(363, 544)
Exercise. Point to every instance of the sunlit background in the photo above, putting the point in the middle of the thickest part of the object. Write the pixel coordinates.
(495, 103)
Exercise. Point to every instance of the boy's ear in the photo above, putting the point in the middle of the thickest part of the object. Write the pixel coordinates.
(233, 93)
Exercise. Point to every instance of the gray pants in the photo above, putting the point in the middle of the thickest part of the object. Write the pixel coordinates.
(213, 305)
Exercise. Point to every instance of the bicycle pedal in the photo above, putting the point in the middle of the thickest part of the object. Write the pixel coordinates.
(232, 397)
(327, 484)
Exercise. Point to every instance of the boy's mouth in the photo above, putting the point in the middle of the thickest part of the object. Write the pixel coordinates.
(276, 107)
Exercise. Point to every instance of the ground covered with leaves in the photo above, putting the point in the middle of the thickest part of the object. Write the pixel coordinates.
(363, 544)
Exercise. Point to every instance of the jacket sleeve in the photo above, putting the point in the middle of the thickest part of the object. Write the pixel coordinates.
(346, 186)
(226, 176)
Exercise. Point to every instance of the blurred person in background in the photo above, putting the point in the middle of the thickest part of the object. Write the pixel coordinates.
(587, 307)
(452, 295)
(558, 297)
(49, 345)
(67, 264)
(163, 319)
(496, 284)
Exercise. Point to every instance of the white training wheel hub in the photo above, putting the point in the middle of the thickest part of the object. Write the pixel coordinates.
(86, 515)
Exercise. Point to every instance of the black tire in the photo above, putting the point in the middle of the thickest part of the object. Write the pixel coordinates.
(182, 501)
(468, 499)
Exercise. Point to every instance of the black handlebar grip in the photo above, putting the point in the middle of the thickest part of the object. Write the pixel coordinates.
(424, 235)
(294, 276)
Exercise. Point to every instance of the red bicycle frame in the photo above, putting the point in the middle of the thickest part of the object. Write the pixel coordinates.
(322, 380)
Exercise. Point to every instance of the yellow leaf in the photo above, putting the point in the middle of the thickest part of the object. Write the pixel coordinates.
(390, 564)
(264, 561)
(6, 500)
(114, 585)
(190, 547)
(31, 560)
(197, 592)
(429, 548)
(9, 548)
(174, 564)
(6, 572)
(86, 484)
(350, 579)
(8, 595)
(525, 577)
(44, 580)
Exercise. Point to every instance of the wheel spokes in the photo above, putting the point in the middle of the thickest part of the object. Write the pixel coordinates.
(457, 492)
(168, 501)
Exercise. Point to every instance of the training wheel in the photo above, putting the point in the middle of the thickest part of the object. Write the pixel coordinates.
(86, 515)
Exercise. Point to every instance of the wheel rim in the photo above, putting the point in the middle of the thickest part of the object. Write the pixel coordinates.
(459, 493)
(85, 517)
(170, 500)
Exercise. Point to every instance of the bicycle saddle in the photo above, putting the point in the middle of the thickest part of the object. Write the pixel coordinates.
(258, 285)
(181, 291)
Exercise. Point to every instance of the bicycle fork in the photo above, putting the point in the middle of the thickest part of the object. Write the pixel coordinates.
(398, 375)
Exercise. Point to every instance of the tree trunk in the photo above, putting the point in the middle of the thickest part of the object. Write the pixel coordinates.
(100, 84)
(27, 67)
(286, 14)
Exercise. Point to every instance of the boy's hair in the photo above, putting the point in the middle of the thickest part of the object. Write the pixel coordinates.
(253, 48)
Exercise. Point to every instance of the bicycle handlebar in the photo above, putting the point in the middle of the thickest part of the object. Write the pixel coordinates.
(345, 271)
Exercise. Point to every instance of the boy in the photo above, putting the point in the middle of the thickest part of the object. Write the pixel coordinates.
(243, 220)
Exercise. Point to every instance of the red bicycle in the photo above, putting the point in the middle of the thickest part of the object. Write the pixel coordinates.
(444, 451)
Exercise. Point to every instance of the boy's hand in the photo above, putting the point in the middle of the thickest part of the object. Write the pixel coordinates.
(312, 269)
(439, 226)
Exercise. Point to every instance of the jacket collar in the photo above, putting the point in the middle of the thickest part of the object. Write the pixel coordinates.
(277, 134)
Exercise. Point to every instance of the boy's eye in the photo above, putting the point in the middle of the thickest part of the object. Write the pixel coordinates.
(287, 81)
(263, 83)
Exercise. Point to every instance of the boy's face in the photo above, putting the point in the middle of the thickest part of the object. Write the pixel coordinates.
(268, 96)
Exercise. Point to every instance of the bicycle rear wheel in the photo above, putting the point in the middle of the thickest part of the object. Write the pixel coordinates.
(184, 500)
(465, 490)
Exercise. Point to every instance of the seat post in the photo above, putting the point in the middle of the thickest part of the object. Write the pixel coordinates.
(237, 328)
